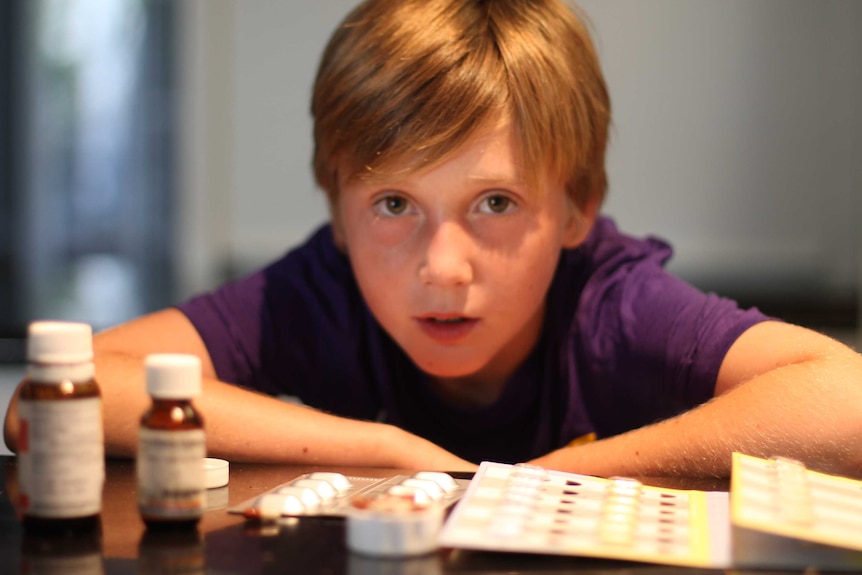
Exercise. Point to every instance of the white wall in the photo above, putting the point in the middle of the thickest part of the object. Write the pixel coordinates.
(247, 71)
(738, 133)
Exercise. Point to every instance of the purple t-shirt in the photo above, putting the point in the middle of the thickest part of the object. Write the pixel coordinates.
(625, 344)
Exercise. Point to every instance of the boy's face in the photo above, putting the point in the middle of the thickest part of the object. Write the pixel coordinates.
(455, 261)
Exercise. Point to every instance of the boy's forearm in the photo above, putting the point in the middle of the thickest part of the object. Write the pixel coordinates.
(810, 411)
(245, 425)
(271, 430)
(249, 426)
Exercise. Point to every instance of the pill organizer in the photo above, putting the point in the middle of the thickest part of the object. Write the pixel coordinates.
(527, 509)
(778, 515)
(785, 515)
(324, 493)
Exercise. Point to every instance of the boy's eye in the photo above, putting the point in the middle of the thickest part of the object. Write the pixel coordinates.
(497, 204)
(392, 205)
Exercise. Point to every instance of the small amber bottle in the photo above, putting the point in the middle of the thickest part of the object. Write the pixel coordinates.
(61, 454)
(172, 445)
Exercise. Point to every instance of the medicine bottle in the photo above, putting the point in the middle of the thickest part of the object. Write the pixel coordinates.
(171, 445)
(61, 454)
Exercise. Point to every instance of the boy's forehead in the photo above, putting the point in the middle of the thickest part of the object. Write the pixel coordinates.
(492, 156)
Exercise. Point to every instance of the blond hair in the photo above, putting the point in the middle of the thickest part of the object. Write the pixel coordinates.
(403, 84)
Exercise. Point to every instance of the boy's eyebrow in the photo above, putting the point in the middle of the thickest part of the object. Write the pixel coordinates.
(487, 179)
(496, 178)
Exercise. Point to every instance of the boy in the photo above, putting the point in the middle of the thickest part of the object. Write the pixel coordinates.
(467, 301)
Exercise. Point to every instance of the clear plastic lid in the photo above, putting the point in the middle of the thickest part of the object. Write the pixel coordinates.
(59, 342)
(173, 375)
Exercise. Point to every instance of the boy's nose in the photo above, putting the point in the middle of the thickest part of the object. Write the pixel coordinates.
(447, 259)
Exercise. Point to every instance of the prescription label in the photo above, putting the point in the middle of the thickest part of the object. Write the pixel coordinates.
(61, 462)
(170, 470)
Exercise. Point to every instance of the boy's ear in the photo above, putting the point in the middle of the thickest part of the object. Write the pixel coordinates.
(580, 222)
(337, 228)
(331, 189)
(338, 237)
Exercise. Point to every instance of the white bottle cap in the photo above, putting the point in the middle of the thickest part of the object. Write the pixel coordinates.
(173, 375)
(59, 342)
(393, 526)
(217, 472)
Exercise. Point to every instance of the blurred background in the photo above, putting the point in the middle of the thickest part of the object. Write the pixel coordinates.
(150, 149)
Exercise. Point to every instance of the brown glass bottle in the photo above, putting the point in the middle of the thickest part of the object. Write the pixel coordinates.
(172, 446)
(61, 466)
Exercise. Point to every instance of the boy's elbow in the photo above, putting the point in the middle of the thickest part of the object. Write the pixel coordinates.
(10, 427)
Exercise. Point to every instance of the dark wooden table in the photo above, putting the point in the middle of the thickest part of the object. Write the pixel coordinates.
(227, 544)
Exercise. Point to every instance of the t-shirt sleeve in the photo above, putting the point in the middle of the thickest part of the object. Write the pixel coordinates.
(651, 343)
(228, 321)
(273, 330)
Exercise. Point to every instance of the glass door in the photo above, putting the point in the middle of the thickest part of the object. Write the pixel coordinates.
(86, 219)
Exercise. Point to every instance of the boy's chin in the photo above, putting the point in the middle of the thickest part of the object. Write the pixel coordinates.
(459, 366)
(447, 369)
(461, 374)
(472, 390)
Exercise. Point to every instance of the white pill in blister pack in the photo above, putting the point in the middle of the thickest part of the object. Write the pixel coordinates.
(331, 494)
(420, 496)
(309, 498)
(324, 489)
(433, 490)
(337, 480)
(446, 482)
(271, 506)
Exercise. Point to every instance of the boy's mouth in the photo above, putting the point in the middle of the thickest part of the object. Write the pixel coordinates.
(447, 328)
(446, 320)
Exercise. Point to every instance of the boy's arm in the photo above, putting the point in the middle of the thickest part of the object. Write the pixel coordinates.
(781, 390)
(240, 424)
